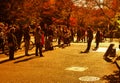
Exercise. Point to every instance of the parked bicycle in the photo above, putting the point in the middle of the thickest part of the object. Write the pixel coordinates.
(31, 46)
(22, 46)
(6, 47)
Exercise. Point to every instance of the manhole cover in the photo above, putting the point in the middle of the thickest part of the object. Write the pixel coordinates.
(77, 69)
(89, 78)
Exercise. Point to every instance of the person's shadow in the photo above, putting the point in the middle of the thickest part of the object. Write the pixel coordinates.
(18, 57)
(26, 59)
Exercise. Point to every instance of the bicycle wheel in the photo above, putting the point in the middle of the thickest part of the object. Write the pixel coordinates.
(22, 45)
(31, 46)
(6, 50)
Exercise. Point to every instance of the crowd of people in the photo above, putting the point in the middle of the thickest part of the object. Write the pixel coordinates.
(13, 34)
(43, 37)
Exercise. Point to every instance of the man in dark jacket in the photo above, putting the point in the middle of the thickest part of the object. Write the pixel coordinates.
(89, 39)
(12, 43)
(98, 39)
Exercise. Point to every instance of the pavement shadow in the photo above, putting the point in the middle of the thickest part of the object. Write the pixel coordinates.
(26, 59)
(18, 57)
(6, 60)
(3, 61)
(112, 78)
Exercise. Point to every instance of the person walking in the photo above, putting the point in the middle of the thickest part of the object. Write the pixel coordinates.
(89, 39)
(97, 39)
(38, 41)
(12, 43)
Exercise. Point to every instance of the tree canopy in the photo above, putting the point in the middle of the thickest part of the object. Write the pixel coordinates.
(68, 12)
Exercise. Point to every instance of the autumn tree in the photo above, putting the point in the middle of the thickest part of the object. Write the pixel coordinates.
(87, 12)
(20, 11)
(96, 12)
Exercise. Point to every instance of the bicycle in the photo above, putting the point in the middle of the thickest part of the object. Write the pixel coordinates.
(31, 45)
(22, 46)
(6, 48)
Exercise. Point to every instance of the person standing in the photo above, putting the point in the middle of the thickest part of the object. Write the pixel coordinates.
(97, 39)
(49, 39)
(89, 39)
(18, 33)
(83, 34)
(12, 43)
(78, 34)
(1, 40)
(26, 39)
(38, 41)
(60, 35)
(66, 37)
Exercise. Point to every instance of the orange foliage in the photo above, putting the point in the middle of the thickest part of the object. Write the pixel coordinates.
(73, 21)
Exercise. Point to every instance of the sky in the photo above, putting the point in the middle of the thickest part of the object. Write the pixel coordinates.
(81, 2)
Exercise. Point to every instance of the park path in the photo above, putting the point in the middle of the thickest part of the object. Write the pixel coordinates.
(61, 65)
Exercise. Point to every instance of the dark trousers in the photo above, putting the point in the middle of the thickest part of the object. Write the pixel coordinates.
(83, 39)
(97, 44)
(27, 43)
(38, 48)
(89, 45)
(59, 40)
(11, 52)
(2, 44)
(19, 41)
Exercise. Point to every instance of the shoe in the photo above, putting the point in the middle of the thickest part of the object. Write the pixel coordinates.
(11, 58)
(27, 55)
(85, 52)
(95, 49)
(41, 56)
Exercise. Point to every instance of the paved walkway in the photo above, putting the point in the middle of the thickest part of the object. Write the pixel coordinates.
(61, 65)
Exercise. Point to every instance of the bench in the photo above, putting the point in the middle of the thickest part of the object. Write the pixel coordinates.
(117, 62)
(110, 53)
